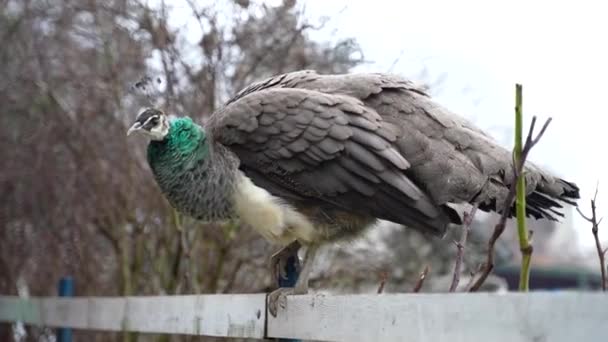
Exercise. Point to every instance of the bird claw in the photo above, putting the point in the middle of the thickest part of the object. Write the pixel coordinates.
(278, 298)
(279, 263)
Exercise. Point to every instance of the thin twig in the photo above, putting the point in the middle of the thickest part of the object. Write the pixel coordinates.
(506, 211)
(473, 274)
(466, 226)
(601, 253)
(183, 251)
(383, 277)
(186, 251)
(420, 281)
(232, 280)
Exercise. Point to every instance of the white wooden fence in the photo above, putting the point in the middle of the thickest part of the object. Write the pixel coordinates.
(537, 316)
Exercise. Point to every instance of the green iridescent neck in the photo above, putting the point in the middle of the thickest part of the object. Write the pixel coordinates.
(185, 143)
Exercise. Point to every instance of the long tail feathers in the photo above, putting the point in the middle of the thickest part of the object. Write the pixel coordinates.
(545, 201)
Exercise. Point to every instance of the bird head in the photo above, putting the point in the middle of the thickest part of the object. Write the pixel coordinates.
(151, 122)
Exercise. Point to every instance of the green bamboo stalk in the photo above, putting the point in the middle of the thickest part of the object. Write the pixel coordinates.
(522, 231)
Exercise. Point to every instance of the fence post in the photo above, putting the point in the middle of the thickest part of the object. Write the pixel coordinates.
(66, 289)
(291, 271)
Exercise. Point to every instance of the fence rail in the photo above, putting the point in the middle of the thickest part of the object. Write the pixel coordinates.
(537, 316)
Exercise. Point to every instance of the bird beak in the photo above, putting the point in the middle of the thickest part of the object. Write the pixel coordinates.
(136, 127)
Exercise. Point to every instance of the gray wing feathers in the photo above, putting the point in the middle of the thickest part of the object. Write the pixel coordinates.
(457, 162)
(322, 145)
(452, 159)
(377, 133)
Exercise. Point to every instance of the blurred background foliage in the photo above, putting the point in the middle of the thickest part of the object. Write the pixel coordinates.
(78, 198)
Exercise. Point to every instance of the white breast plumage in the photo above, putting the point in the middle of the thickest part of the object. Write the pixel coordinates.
(275, 220)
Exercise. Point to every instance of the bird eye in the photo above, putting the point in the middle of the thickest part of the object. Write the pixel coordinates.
(154, 120)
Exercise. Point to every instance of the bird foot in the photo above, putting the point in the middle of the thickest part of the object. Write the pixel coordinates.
(278, 298)
(280, 259)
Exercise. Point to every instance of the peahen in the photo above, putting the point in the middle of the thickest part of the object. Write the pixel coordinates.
(306, 159)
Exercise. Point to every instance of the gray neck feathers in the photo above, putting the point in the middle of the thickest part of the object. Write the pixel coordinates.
(201, 188)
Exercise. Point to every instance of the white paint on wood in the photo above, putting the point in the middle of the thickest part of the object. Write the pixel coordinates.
(512, 317)
(15, 309)
(462, 317)
(211, 315)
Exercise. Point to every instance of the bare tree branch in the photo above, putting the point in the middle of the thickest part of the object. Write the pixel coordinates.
(383, 277)
(421, 279)
(466, 226)
(76, 185)
(601, 253)
(488, 266)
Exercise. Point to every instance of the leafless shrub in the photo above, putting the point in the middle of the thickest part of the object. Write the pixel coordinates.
(78, 198)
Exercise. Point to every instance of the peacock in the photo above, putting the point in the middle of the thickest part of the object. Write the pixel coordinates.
(306, 159)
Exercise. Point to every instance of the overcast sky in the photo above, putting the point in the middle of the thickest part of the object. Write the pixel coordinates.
(556, 49)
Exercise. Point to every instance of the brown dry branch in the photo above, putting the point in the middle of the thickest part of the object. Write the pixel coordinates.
(473, 274)
(184, 251)
(421, 279)
(383, 277)
(466, 226)
(232, 278)
(531, 141)
(601, 253)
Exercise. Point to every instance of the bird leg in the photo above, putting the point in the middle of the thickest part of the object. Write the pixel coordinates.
(279, 296)
(280, 259)
(301, 286)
